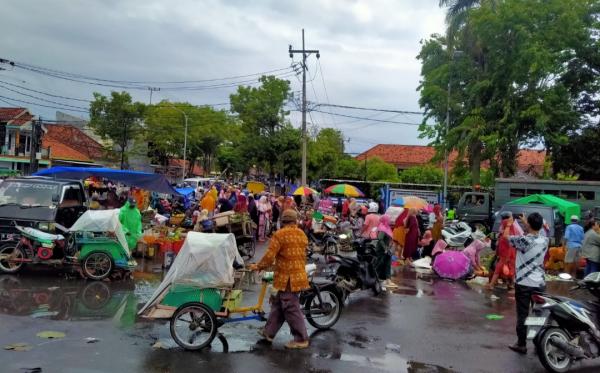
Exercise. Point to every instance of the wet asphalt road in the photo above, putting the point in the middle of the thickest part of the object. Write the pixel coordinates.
(427, 325)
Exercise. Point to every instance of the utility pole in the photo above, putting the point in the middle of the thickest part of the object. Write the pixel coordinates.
(152, 89)
(36, 134)
(305, 54)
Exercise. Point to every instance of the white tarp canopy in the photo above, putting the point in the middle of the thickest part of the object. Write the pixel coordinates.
(101, 221)
(205, 260)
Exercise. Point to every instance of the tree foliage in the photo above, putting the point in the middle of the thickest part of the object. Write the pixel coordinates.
(514, 83)
(207, 129)
(265, 129)
(118, 119)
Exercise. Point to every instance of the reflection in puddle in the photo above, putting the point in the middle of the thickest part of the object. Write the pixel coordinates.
(58, 298)
(393, 362)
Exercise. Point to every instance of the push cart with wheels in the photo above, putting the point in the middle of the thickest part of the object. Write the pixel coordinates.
(201, 292)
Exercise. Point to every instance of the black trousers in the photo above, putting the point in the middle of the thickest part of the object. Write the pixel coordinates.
(523, 301)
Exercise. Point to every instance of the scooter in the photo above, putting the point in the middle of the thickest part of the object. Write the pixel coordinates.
(565, 330)
(457, 235)
(354, 274)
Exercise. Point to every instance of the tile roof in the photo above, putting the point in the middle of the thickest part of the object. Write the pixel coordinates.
(405, 156)
(178, 163)
(74, 138)
(15, 116)
(59, 150)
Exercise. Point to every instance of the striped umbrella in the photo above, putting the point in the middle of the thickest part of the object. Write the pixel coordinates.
(345, 189)
(304, 191)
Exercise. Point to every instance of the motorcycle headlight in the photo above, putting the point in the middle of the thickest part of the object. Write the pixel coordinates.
(342, 236)
(46, 226)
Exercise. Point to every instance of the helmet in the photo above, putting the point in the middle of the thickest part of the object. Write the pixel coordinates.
(373, 207)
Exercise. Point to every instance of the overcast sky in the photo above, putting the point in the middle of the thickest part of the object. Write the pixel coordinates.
(368, 51)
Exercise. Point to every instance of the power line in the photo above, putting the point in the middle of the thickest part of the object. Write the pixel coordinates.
(41, 98)
(45, 93)
(371, 119)
(371, 109)
(41, 105)
(42, 69)
(109, 84)
(325, 89)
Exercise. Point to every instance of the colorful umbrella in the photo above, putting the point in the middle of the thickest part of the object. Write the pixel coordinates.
(304, 191)
(398, 202)
(452, 265)
(414, 203)
(345, 189)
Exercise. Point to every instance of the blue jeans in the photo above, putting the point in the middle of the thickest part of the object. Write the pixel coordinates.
(591, 267)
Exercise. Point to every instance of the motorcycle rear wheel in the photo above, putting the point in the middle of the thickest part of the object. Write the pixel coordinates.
(551, 357)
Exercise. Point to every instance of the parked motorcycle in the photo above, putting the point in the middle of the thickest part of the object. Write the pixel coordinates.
(565, 330)
(354, 274)
(325, 243)
(457, 234)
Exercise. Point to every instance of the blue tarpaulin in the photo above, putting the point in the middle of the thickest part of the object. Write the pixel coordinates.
(144, 180)
(185, 191)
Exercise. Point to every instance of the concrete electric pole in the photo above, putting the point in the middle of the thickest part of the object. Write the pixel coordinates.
(305, 53)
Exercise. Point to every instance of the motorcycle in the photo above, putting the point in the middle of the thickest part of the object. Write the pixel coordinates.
(457, 234)
(354, 274)
(326, 243)
(564, 330)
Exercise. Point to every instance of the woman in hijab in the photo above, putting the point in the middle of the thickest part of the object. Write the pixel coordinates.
(412, 235)
(369, 230)
(400, 233)
(264, 214)
(506, 254)
(253, 209)
(242, 204)
(383, 263)
(436, 230)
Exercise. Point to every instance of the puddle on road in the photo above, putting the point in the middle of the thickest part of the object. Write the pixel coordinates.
(394, 363)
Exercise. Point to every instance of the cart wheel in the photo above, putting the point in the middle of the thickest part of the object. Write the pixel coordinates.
(193, 326)
(95, 295)
(97, 265)
(323, 315)
(11, 251)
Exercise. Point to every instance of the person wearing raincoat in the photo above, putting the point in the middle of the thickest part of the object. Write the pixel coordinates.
(131, 220)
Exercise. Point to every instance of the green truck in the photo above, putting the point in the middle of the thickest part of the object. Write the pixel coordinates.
(478, 208)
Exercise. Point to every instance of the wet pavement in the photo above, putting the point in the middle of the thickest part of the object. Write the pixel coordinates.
(426, 325)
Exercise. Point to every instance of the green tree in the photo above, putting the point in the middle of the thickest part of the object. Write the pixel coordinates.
(118, 119)
(262, 114)
(349, 168)
(580, 156)
(379, 170)
(324, 153)
(508, 87)
(427, 174)
(207, 129)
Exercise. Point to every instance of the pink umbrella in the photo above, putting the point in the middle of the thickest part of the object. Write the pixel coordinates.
(452, 265)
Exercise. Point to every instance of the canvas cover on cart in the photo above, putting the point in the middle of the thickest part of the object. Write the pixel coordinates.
(101, 221)
(205, 260)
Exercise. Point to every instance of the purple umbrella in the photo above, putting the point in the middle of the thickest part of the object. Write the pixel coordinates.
(452, 265)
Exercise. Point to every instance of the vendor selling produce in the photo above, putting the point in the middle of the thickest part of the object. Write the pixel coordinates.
(131, 220)
(287, 251)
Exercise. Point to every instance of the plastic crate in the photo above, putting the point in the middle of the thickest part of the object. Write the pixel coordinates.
(180, 294)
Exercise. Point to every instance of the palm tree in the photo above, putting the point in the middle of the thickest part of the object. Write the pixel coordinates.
(458, 11)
